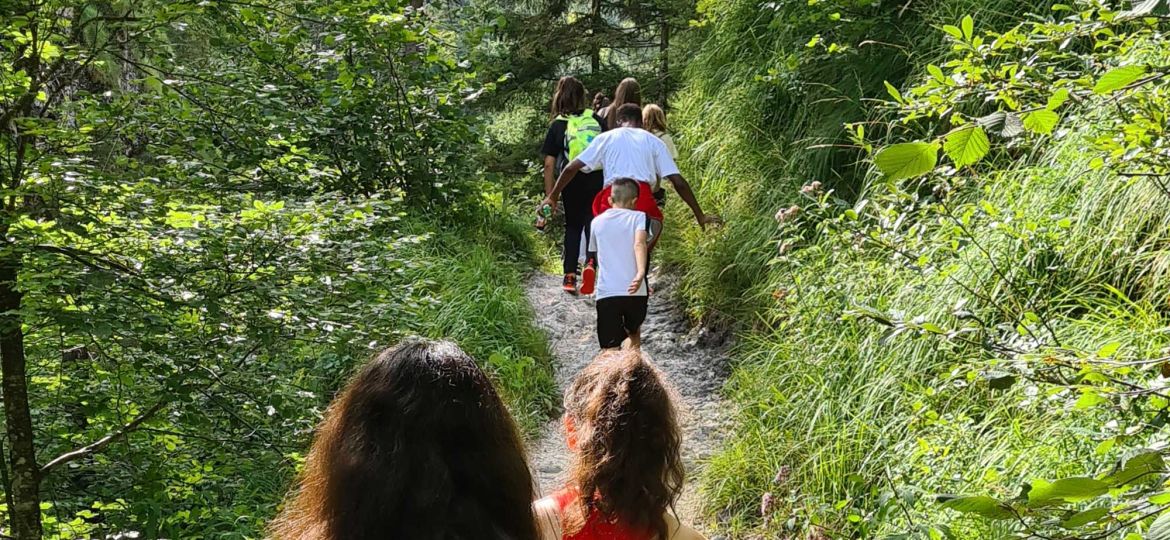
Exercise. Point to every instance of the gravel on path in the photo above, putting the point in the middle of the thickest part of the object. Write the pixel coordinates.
(694, 359)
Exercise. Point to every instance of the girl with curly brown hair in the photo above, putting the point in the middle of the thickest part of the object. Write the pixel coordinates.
(627, 470)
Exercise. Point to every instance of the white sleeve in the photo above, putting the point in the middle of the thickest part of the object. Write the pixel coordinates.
(592, 239)
(662, 160)
(593, 155)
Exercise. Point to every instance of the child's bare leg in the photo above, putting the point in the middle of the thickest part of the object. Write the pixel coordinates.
(636, 339)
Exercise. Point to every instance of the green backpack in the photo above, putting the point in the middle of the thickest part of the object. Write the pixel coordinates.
(580, 131)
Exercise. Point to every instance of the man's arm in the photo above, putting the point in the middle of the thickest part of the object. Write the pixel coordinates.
(567, 176)
(684, 190)
(550, 163)
(640, 251)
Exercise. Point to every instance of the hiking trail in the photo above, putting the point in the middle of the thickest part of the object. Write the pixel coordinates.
(695, 360)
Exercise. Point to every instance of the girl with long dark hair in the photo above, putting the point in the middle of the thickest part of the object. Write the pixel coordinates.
(628, 91)
(627, 470)
(573, 127)
(418, 445)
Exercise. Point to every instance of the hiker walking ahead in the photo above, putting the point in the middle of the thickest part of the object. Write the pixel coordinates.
(572, 130)
(626, 471)
(628, 91)
(620, 238)
(654, 121)
(631, 152)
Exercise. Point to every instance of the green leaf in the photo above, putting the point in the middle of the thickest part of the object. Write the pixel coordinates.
(933, 328)
(1161, 498)
(953, 31)
(936, 72)
(968, 27)
(980, 505)
(1160, 528)
(907, 160)
(1086, 517)
(1004, 124)
(1089, 399)
(1142, 8)
(1042, 121)
(1118, 78)
(967, 145)
(894, 93)
(1141, 466)
(1077, 489)
(997, 380)
(1109, 349)
(1057, 99)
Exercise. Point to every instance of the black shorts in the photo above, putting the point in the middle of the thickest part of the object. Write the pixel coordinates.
(618, 317)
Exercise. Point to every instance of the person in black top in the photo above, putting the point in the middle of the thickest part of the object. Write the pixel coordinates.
(569, 102)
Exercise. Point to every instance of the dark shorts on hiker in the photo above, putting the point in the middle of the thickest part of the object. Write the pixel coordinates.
(618, 317)
(646, 201)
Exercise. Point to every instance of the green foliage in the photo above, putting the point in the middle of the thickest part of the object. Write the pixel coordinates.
(213, 213)
(966, 145)
(986, 324)
(907, 160)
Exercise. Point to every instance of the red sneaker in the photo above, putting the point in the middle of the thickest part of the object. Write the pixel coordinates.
(570, 284)
(588, 278)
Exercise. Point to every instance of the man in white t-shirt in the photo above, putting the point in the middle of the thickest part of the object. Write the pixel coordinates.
(628, 151)
(619, 238)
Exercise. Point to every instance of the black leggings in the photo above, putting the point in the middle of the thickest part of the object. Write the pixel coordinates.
(578, 200)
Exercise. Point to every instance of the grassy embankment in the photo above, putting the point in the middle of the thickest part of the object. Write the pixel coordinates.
(840, 406)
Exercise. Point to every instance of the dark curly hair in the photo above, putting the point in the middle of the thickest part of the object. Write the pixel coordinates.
(418, 445)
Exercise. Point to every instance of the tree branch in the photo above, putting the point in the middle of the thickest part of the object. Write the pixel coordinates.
(104, 441)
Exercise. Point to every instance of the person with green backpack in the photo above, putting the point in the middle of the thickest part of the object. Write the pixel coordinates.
(573, 128)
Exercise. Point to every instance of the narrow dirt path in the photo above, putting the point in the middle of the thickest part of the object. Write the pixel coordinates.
(695, 361)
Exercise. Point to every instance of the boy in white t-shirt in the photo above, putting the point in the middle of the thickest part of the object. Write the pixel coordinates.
(619, 239)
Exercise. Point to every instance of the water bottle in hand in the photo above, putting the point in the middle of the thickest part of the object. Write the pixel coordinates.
(542, 217)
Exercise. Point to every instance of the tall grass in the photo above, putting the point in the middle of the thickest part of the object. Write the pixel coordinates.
(848, 409)
(475, 272)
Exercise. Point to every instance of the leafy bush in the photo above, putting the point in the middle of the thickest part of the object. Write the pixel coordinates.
(213, 211)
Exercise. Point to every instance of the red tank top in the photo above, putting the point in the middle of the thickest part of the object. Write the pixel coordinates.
(596, 527)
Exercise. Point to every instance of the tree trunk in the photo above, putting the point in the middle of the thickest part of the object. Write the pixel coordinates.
(664, 59)
(595, 43)
(25, 512)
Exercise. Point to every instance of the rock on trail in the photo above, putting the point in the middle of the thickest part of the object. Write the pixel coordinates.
(695, 361)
